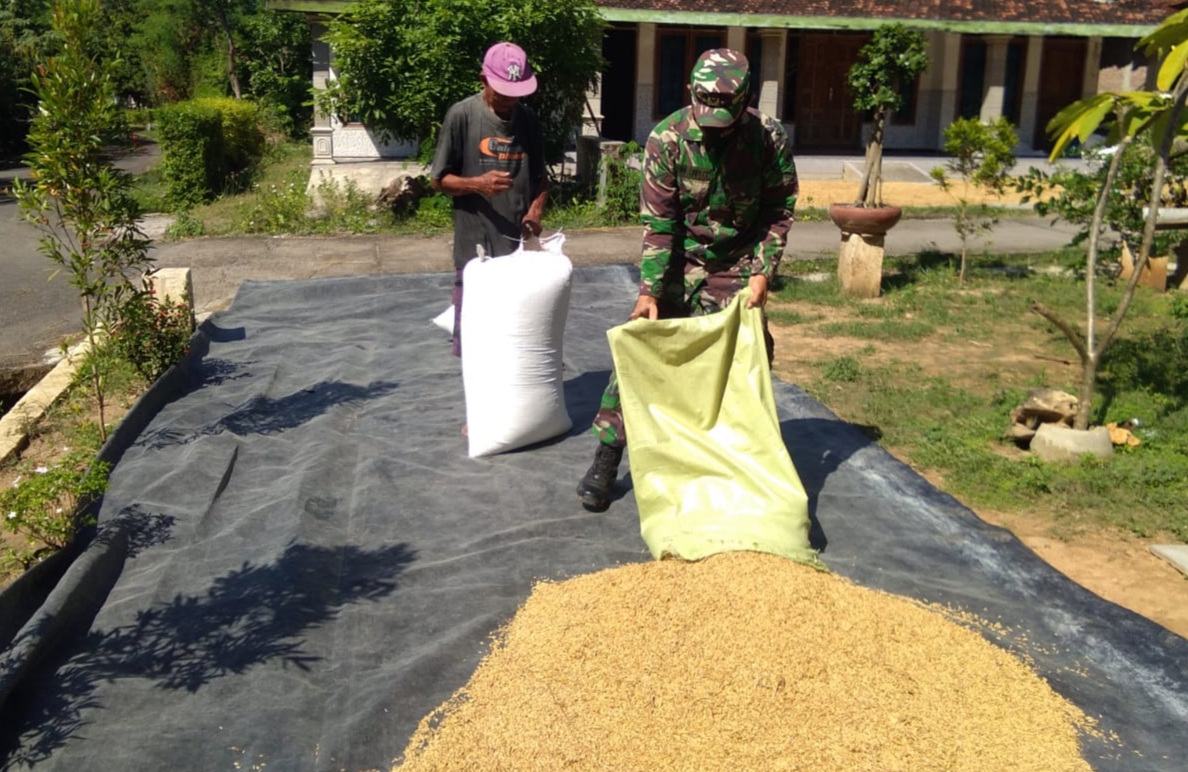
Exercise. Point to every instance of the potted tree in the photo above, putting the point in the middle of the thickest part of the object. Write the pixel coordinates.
(886, 65)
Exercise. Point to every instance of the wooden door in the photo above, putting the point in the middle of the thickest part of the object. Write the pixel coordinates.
(825, 116)
(1062, 72)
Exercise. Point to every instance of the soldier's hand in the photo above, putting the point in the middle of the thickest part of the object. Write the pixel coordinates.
(646, 306)
(493, 183)
(758, 285)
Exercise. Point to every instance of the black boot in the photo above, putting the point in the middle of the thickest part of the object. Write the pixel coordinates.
(595, 488)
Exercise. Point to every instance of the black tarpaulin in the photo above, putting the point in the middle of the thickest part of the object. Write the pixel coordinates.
(296, 560)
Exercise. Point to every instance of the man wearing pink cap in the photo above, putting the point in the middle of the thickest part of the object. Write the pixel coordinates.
(490, 159)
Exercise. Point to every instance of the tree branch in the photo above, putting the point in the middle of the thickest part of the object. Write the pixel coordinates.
(1074, 336)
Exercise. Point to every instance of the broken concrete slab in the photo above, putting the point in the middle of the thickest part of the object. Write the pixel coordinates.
(1176, 554)
(1056, 443)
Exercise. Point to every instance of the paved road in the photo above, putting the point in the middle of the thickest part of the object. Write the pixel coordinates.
(36, 313)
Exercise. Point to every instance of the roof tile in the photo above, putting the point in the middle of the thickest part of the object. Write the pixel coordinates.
(1113, 12)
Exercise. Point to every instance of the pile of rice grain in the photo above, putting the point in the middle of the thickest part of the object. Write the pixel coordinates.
(743, 661)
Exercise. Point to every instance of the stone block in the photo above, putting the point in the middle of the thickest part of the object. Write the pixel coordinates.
(860, 265)
(1058, 444)
(176, 284)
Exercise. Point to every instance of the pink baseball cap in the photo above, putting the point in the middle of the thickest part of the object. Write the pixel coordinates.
(507, 70)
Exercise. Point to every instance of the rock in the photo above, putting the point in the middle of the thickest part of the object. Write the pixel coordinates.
(404, 193)
(1043, 406)
(1056, 443)
(1021, 433)
(1050, 406)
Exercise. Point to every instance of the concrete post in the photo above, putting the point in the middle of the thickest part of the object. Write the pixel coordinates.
(860, 265)
(174, 284)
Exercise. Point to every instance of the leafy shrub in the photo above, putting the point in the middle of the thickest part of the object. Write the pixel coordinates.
(624, 179)
(436, 211)
(1155, 362)
(1179, 306)
(185, 226)
(279, 208)
(243, 140)
(843, 369)
(191, 135)
(153, 334)
(209, 146)
(42, 503)
(343, 207)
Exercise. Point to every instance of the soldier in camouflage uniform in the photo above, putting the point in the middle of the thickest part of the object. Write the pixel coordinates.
(718, 195)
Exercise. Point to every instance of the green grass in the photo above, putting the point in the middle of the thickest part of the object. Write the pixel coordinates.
(958, 430)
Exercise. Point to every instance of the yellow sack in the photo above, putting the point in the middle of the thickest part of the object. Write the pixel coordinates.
(709, 467)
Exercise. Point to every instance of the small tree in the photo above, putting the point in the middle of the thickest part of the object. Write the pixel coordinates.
(981, 155)
(80, 203)
(1127, 116)
(886, 66)
(400, 64)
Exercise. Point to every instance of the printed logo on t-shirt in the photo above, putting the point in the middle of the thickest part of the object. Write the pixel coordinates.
(499, 151)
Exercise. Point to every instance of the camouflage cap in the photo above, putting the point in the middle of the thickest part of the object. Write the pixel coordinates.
(720, 83)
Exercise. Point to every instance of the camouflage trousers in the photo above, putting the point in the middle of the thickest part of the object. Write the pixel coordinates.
(709, 297)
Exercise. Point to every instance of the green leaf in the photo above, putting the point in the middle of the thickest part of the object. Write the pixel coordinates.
(1078, 121)
(1172, 67)
(1170, 33)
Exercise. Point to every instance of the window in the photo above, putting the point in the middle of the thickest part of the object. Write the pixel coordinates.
(676, 50)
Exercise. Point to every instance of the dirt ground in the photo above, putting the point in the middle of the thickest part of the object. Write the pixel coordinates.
(1114, 565)
(822, 193)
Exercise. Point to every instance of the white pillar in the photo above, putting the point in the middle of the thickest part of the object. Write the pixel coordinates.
(736, 38)
(770, 73)
(1092, 66)
(645, 88)
(322, 132)
(1030, 98)
(995, 86)
(951, 61)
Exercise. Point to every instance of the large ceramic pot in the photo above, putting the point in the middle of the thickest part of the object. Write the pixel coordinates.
(869, 221)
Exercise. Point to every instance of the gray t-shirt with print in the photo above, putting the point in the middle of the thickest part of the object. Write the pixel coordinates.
(472, 141)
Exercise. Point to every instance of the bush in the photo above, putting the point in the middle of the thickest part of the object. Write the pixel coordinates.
(191, 136)
(208, 146)
(153, 335)
(623, 182)
(279, 208)
(42, 503)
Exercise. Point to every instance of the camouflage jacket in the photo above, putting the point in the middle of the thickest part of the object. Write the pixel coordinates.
(720, 210)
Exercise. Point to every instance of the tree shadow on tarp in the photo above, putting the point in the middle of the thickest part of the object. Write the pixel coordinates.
(253, 615)
(264, 415)
(818, 446)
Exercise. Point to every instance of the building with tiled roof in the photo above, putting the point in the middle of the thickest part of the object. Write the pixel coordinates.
(1023, 59)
